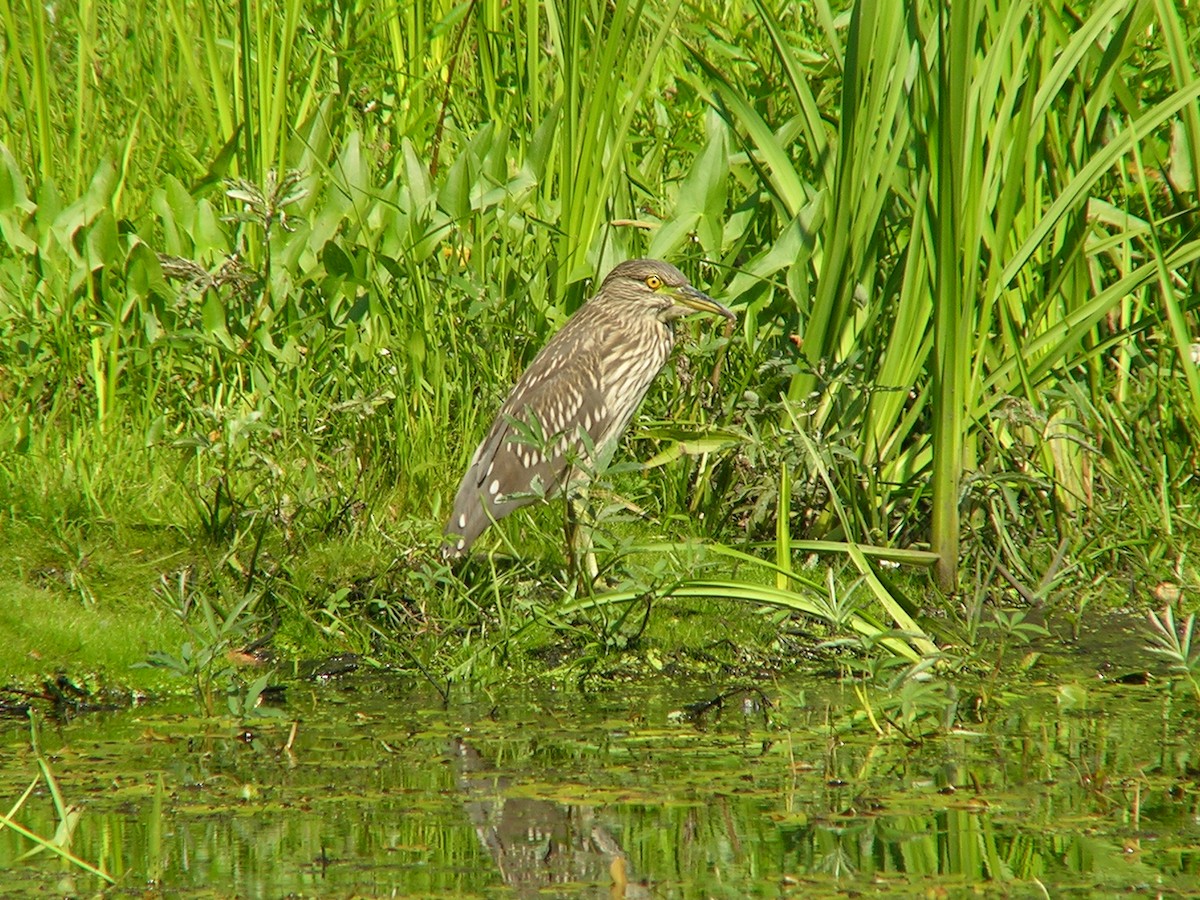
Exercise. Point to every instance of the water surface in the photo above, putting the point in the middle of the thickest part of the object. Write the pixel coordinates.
(371, 787)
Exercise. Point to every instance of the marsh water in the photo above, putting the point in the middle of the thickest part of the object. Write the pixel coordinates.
(375, 787)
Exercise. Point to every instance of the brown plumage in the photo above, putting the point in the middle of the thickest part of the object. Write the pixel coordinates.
(577, 396)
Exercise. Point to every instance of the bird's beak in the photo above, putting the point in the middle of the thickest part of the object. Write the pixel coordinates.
(691, 298)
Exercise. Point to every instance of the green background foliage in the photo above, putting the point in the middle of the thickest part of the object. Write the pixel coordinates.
(269, 268)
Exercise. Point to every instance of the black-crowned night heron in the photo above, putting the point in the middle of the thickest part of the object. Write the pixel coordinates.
(567, 412)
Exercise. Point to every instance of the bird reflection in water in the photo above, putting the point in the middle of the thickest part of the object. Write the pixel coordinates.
(539, 843)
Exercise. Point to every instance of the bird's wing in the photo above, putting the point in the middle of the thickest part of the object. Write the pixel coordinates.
(532, 444)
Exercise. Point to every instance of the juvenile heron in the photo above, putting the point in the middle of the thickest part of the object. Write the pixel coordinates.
(577, 396)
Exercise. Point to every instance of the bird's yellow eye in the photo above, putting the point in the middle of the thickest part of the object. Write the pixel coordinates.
(653, 282)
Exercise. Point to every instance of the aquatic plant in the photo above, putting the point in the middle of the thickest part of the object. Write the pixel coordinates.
(216, 652)
(68, 815)
(1174, 643)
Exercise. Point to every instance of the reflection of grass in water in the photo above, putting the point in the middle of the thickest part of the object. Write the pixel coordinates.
(936, 317)
(67, 816)
(366, 799)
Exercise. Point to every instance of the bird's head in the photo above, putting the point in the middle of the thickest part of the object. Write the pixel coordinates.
(659, 289)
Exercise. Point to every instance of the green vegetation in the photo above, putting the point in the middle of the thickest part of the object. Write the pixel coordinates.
(267, 271)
